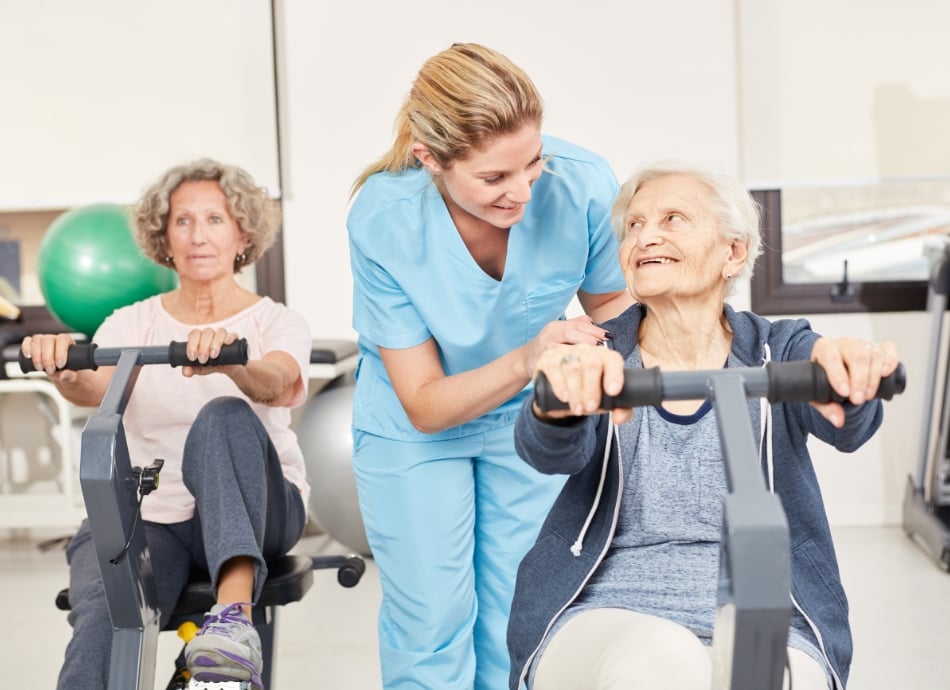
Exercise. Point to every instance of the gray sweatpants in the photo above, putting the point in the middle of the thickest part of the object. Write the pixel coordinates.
(245, 507)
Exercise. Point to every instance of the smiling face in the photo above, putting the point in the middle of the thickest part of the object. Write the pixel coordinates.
(493, 184)
(202, 236)
(672, 250)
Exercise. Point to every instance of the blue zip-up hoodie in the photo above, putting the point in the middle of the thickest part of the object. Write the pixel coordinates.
(551, 575)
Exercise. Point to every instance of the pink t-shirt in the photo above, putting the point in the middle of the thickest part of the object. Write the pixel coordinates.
(164, 404)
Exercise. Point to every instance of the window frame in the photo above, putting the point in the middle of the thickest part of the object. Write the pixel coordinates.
(771, 296)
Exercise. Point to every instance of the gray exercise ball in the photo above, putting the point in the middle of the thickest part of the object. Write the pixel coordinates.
(323, 430)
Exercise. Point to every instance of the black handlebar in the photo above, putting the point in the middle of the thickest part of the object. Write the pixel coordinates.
(803, 381)
(91, 356)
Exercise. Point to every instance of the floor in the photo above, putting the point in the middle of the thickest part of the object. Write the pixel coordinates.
(900, 614)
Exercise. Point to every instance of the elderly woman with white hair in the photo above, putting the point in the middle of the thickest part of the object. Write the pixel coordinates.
(632, 604)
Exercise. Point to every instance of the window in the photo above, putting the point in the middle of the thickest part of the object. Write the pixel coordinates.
(849, 247)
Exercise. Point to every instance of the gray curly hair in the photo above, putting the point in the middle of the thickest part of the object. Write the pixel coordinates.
(257, 214)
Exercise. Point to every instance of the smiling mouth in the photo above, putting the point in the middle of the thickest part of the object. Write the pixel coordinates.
(659, 260)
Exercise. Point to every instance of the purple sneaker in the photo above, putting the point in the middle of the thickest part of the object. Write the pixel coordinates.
(227, 648)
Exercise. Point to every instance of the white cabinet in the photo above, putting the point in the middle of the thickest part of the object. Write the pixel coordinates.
(39, 455)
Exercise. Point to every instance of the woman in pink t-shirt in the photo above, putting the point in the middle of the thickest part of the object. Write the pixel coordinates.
(233, 490)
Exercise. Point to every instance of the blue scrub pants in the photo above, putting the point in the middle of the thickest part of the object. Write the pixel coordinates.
(448, 523)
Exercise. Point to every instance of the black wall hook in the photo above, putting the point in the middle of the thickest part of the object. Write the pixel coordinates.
(843, 291)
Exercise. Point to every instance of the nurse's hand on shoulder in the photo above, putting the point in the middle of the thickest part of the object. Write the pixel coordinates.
(577, 331)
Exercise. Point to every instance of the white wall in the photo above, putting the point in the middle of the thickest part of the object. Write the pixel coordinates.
(640, 80)
(97, 98)
(633, 81)
(837, 91)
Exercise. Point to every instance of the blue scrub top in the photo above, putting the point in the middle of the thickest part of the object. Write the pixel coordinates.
(414, 278)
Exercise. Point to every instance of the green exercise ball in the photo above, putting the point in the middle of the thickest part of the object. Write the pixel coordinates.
(89, 265)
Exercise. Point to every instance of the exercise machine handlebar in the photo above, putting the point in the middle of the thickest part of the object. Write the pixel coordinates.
(112, 490)
(90, 356)
(801, 381)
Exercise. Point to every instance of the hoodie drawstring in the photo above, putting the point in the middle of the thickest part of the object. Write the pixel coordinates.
(765, 424)
(578, 544)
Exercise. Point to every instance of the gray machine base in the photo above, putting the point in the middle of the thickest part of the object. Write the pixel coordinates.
(928, 525)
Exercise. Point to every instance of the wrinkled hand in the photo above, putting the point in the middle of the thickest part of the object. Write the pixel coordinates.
(49, 353)
(578, 375)
(854, 368)
(576, 331)
(205, 344)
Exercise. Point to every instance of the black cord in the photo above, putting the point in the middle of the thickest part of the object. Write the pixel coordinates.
(146, 479)
(135, 522)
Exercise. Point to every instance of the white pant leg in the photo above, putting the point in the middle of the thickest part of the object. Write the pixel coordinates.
(616, 649)
(807, 674)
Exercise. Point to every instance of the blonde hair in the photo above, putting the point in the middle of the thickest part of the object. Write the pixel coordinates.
(256, 213)
(738, 213)
(461, 99)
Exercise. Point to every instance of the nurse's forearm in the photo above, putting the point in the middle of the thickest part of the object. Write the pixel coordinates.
(446, 402)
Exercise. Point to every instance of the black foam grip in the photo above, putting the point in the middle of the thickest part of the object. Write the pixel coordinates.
(544, 397)
(892, 385)
(640, 387)
(235, 353)
(79, 356)
(807, 382)
(800, 381)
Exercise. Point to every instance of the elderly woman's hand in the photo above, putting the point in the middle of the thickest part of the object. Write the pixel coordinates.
(49, 352)
(854, 368)
(576, 331)
(204, 344)
(578, 374)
